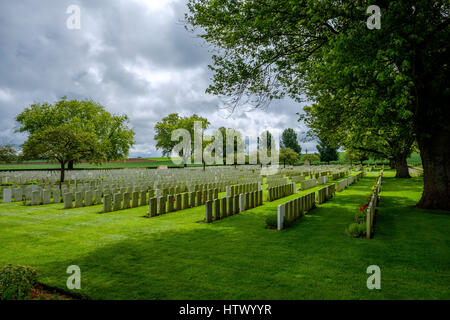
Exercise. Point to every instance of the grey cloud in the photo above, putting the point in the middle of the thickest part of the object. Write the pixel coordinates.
(132, 60)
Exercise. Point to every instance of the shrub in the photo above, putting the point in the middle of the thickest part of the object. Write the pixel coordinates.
(16, 282)
(356, 230)
(271, 222)
(360, 216)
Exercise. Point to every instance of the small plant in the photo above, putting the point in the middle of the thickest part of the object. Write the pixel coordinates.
(356, 230)
(16, 282)
(271, 223)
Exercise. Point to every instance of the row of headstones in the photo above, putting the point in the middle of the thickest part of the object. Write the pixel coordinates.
(169, 203)
(82, 198)
(322, 179)
(308, 184)
(29, 196)
(342, 184)
(326, 193)
(281, 191)
(277, 182)
(221, 208)
(295, 209)
(242, 188)
(372, 206)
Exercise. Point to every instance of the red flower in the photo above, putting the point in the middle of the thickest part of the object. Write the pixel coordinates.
(361, 209)
(174, 199)
(364, 205)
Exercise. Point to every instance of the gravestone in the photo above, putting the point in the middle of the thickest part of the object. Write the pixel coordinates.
(35, 198)
(216, 209)
(88, 198)
(170, 202)
(223, 207)
(152, 212)
(67, 197)
(242, 202)
(208, 210)
(56, 195)
(46, 196)
(135, 199)
(7, 195)
(117, 198)
(107, 203)
(78, 199)
(161, 205)
(126, 200)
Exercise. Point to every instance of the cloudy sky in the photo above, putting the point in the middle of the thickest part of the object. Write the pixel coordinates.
(132, 56)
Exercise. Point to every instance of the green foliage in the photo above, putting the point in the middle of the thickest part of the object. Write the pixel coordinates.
(165, 128)
(356, 230)
(289, 140)
(7, 153)
(327, 152)
(16, 282)
(310, 157)
(288, 156)
(73, 130)
(375, 100)
(271, 222)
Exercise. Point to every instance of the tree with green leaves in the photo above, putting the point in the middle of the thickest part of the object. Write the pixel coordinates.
(355, 156)
(327, 152)
(289, 140)
(74, 130)
(289, 156)
(312, 157)
(269, 49)
(172, 122)
(7, 153)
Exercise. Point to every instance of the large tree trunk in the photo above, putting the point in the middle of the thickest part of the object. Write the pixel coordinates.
(435, 154)
(401, 167)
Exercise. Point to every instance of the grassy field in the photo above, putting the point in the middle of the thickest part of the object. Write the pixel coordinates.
(123, 255)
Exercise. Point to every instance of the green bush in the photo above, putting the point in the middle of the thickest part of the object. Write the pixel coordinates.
(360, 217)
(271, 222)
(16, 282)
(356, 230)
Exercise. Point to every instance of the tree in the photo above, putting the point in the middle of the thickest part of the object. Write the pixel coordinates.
(7, 153)
(265, 139)
(86, 132)
(275, 48)
(289, 140)
(327, 152)
(355, 156)
(310, 157)
(168, 124)
(289, 156)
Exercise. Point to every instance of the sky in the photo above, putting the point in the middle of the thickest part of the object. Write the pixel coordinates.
(131, 56)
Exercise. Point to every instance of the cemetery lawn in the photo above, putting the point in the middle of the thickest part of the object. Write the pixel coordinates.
(125, 256)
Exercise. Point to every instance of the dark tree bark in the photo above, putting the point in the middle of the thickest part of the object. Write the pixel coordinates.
(70, 165)
(435, 154)
(401, 167)
(61, 178)
(433, 137)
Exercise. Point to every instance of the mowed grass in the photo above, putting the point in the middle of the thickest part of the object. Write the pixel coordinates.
(123, 255)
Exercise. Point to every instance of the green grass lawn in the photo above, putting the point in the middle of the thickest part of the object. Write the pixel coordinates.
(125, 256)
